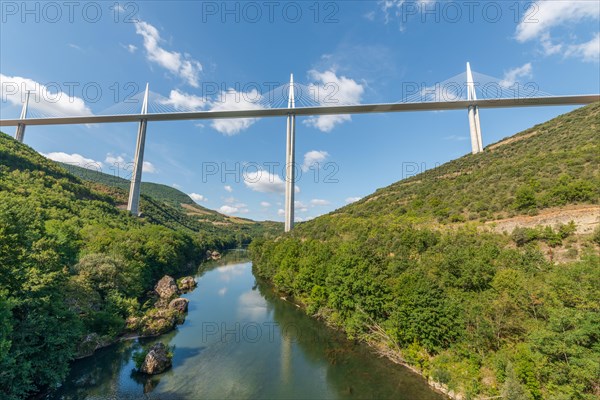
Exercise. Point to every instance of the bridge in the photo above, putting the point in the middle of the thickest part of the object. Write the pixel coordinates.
(447, 95)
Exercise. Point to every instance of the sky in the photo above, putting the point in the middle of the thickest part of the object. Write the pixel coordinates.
(82, 58)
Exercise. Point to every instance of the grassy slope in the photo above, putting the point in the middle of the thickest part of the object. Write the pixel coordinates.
(412, 269)
(557, 161)
(176, 203)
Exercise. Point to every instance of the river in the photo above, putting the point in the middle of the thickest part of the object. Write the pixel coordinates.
(241, 341)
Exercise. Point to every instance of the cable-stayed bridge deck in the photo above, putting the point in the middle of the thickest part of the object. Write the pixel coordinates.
(314, 111)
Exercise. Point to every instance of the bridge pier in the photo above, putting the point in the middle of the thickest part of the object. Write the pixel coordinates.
(290, 161)
(20, 132)
(474, 124)
(133, 203)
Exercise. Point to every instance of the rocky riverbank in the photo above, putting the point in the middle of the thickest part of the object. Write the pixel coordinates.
(167, 312)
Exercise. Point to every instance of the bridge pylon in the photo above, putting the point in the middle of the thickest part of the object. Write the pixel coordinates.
(133, 203)
(474, 124)
(290, 160)
(20, 132)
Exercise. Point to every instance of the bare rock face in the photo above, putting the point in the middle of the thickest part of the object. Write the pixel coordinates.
(166, 287)
(186, 284)
(157, 360)
(180, 304)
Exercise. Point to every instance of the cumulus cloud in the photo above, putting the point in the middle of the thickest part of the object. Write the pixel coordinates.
(74, 159)
(233, 209)
(333, 90)
(181, 65)
(198, 198)
(319, 202)
(543, 16)
(352, 199)
(314, 157)
(183, 101)
(265, 182)
(511, 76)
(45, 99)
(114, 160)
(149, 168)
(265, 204)
(234, 100)
(589, 51)
(228, 188)
(300, 206)
(120, 161)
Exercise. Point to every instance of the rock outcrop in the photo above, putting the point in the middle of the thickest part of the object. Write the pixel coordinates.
(166, 287)
(157, 360)
(179, 304)
(186, 284)
(213, 255)
(159, 321)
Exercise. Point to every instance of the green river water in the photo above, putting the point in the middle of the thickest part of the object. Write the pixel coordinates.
(241, 341)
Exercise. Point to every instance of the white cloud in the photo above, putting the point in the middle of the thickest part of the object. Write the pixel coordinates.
(300, 206)
(129, 47)
(589, 51)
(511, 76)
(44, 99)
(265, 204)
(74, 159)
(114, 160)
(538, 21)
(234, 100)
(228, 188)
(265, 182)
(314, 157)
(319, 202)
(281, 212)
(332, 90)
(545, 15)
(198, 198)
(119, 160)
(225, 209)
(352, 199)
(149, 168)
(234, 209)
(183, 101)
(181, 65)
(176, 186)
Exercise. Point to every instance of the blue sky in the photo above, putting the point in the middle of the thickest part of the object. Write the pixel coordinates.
(96, 53)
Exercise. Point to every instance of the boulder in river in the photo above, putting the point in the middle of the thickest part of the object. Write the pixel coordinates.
(157, 360)
(159, 321)
(166, 287)
(180, 304)
(186, 284)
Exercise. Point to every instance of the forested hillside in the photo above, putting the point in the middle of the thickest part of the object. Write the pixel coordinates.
(73, 264)
(178, 205)
(417, 270)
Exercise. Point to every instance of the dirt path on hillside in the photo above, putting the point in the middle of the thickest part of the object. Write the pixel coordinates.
(586, 217)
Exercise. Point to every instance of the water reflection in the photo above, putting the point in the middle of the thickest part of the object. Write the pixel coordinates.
(241, 341)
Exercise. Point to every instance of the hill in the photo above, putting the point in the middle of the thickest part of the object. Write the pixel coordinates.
(172, 197)
(75, 268)
(428, 272)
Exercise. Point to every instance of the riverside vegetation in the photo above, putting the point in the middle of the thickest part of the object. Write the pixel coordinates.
(414, 270)
(75, 266)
